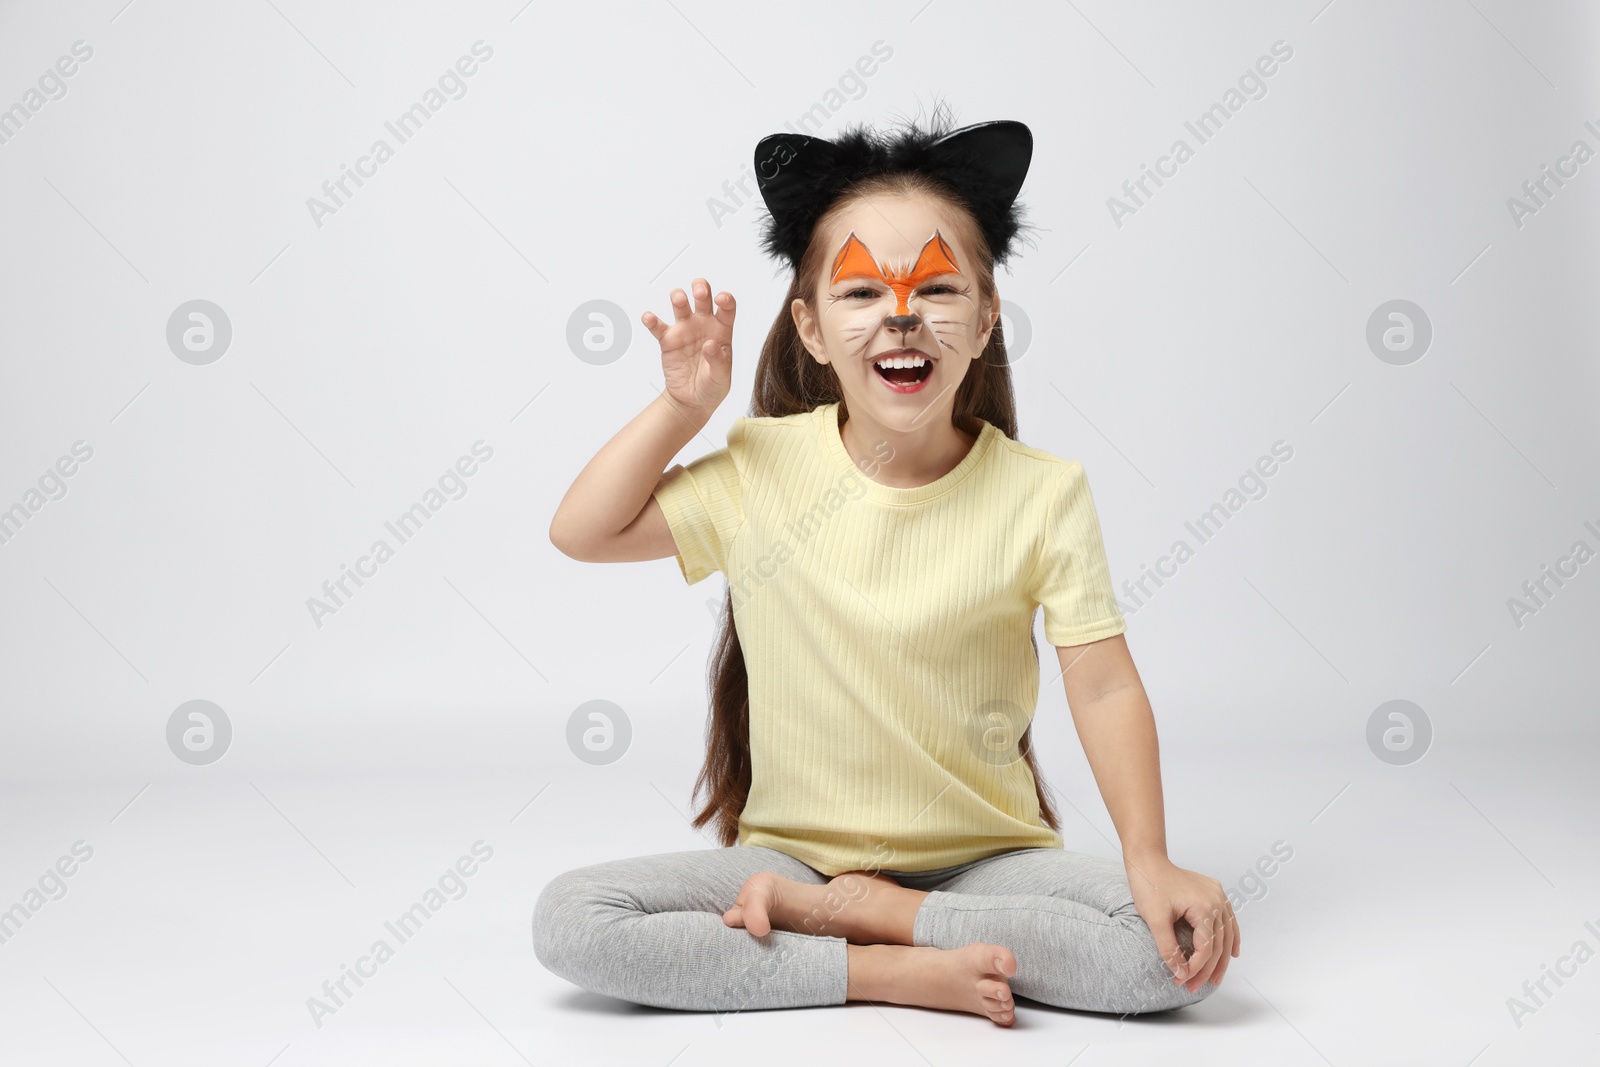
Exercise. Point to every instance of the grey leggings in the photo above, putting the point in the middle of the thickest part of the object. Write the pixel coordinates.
(649, 929)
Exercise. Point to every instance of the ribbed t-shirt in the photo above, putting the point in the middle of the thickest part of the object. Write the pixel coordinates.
(886, 634)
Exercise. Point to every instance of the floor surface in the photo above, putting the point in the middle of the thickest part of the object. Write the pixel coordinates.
(201, 918)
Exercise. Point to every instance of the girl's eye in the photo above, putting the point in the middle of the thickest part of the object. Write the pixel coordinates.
(860, 294)
(939, 289)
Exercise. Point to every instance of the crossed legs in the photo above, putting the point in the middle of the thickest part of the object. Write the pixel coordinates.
(876, 917)
(748, 928)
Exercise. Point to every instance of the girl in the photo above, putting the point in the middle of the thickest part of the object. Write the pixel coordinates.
(886, 541)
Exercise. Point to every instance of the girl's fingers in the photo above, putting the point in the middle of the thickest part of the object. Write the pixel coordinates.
(1171, 951)
(725, 308)
(711, 349)
(1228, 953)
(1209, 972)
(1219, 961)
(702, 296)
(657, 328)
(680, 305)
(1205, 945)
(1221, 966)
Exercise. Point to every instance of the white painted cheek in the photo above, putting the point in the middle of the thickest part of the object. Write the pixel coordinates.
(953, 324)
(851, 328)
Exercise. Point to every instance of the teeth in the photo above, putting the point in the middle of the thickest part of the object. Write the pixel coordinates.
(902, 361)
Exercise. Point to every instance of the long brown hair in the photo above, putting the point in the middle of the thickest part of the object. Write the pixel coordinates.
(790, 382)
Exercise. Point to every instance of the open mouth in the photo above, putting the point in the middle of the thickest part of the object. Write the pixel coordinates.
(910, 369)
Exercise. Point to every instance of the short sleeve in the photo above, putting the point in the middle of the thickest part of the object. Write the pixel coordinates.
(704, 507)
(1071, 579)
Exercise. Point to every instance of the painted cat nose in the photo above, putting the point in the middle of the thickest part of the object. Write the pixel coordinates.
(903, 323)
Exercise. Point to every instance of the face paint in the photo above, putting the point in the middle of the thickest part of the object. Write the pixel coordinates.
(855, 261)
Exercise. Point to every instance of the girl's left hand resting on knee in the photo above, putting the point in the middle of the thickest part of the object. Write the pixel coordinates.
(1112, 713)
(1164, 893)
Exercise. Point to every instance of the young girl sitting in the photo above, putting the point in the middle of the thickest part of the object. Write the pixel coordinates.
(887, 541)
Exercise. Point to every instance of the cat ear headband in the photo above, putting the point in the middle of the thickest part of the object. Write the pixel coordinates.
(801, 176)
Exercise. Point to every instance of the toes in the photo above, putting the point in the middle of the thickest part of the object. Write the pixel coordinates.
(1001, 1014)
(997, 992)
(1003, 961)
(753, 901)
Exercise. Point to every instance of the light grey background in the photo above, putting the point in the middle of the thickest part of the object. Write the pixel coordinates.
(431, 311)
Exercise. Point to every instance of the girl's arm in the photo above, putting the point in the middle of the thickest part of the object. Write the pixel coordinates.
(1118, 731)
(609, 514)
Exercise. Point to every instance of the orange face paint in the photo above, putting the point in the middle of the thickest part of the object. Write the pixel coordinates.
(854, 261)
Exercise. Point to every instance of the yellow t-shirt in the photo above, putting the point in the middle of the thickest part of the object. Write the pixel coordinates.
(886, 634)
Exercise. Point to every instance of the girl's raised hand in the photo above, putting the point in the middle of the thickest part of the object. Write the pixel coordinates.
(696, 349)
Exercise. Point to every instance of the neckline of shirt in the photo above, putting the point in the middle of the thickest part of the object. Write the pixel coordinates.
(826, 418)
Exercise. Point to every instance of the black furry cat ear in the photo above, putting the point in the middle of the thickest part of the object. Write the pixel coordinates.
(788, 167)
(1002, 149)
(800, 176)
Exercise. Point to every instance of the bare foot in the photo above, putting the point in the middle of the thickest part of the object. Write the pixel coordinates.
(857, 905)
(972, 978)
(761, 902)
